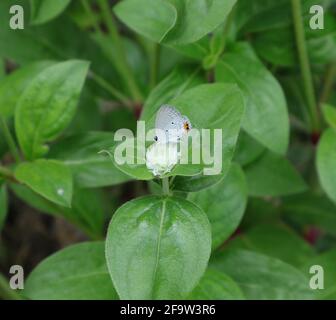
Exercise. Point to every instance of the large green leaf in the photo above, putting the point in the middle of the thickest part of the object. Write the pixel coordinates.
(79, 152)
(3, 204)
(311, 209)
(224, 203)
(252, 16)
(178, 81)
(151, 18)
(58, 39)
(263, 277)
(270, 22)
(266, 117)
(50, 178)
(275, 241)
(273, 175)
(11, 87)
(195, 183)
(195, 51)
(327, 260)
(260, 210)
(261, 15)
(173, 21)
(247, 150)
(45, 10)
(215, 285)
(47, 105)
(157, 248)
(267, 45)
(326, 163)
(224, 107)
(197, 18)
(76, 272)
(278, 45)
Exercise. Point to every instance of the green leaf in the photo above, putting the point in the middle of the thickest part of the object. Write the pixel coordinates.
(276, 241)
(224, 204)
(135, 56)
(3, 204)
(197, 18)
(326, 163)
(327, 260)
(45, 10)
(247, 150)
(329, 114)
(79, 152)
(151, 18)
(12, 86)
(195, 183)
(311, 209)
(196, 50)
(293, 87)
(273, 175)
(260, 211)
(177, 82)
(215, 285)
(263, 277)
(135, 165)
(76, 272)
(321, 43)
(225, 107)
(173, 21)
(60, 39)
(88, 209)
(260, 14)
(277, 46)
(50, 178)
(47, 105)
(266, 117)
(157, 248)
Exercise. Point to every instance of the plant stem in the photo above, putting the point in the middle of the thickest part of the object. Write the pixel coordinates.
(165, 186)
(328, 83)
(305, 65)
(112, 90)
(6, 292)
(6, 173)
(227, 27)
(120, 55)
(87, 8)
(9, 139)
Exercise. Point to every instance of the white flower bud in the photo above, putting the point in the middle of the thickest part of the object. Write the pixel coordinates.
(162, 157)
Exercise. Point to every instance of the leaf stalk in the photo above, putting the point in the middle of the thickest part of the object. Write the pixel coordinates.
(305, 65)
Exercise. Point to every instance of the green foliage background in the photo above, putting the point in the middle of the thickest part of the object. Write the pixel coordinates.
(80, 70)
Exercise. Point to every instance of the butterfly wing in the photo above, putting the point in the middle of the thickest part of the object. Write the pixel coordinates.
(169, 120)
